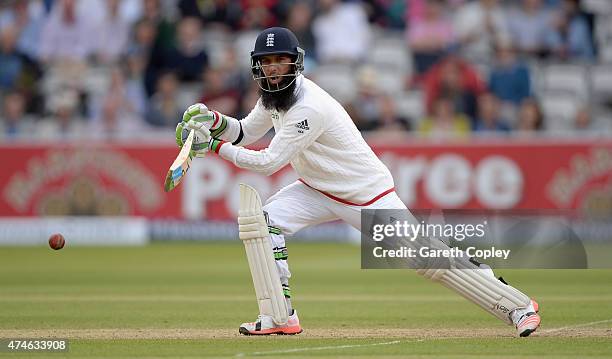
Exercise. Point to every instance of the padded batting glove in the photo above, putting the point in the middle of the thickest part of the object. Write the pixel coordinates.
(212, 120)
(201, 138)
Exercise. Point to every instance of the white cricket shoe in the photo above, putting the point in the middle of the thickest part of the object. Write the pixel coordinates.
(264, 325)
(527, 320)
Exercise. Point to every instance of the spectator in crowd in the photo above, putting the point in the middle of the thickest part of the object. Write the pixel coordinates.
(110, 126)
(342, 32)
(127, 88)
(236, 77)
(574, 36)
(390, 125)
(531, 28)
(117, 111)
(489, 118)
(389, 120)
(509, 78)
(11, 63)
(223, 14)
(388, 14)
(134, 83)
(480, 25)
(27, 18)
(139, 54)
(117, 96)
(13, 120)
(444, 122)
(166, 108)
(23, 19)
(142, 41)
(530, 117)
(430, 37)
(143, 37)
(165, 40)
(583, 120)
(112, 33)
(585, 123)
(456, 80)
(249, 99)
(258, 14)
(128, 10)
(299, 21)
(218, 92)
(415, 11)
(552, 3)
(63, 121)
(117, 119)
(455, 5)
(165, 26)
(66, 35)
(364, 108)
(187, 58)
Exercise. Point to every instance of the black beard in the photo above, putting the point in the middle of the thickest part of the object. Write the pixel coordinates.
(280, 101)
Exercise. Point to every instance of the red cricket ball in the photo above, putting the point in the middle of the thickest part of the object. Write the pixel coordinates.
(57, 241)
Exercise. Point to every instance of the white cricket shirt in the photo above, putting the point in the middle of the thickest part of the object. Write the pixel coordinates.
(320, 141)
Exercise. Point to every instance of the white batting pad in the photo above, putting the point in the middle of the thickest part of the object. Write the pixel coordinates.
(479, 287)
(253, 231)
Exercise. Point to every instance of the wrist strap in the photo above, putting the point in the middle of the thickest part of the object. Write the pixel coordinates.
(219, 125)
(215, 145)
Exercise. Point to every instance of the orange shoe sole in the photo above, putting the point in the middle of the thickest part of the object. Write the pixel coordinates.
(277, 331)
(534, 319)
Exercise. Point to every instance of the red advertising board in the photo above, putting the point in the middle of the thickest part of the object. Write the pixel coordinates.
(117, 179)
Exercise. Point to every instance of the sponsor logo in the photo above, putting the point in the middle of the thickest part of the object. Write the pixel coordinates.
(502, 308)
(571, 180)
(303, 126)
(83, 182)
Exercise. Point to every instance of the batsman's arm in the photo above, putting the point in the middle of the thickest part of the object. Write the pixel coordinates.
(300, 130)
(256, 124)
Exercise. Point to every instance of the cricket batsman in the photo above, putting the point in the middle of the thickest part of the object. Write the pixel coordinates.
(339, 175)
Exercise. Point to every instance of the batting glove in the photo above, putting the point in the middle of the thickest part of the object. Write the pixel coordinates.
(212, 120)
(201, 138)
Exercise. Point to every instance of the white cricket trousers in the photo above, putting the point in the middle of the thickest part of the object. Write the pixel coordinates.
(298, 206)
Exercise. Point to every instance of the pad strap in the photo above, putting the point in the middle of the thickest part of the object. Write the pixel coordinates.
(286, 290)
(280, 253)
(274, 230)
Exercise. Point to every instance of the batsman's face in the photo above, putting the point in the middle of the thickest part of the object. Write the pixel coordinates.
(274, 66)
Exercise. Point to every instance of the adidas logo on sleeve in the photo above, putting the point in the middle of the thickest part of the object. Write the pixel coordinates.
(303, 126)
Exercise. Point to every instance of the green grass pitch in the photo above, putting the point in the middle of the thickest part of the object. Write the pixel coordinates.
(187, 300)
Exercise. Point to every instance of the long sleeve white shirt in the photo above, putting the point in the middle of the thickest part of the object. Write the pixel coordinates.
(320, 141)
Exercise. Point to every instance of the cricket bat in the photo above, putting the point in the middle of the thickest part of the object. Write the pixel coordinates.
(180, 166)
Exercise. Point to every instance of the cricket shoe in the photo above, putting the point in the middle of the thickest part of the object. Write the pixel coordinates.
(264, 325)
(527, 320)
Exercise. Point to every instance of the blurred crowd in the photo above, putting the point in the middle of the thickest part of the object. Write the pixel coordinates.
(108, 69)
